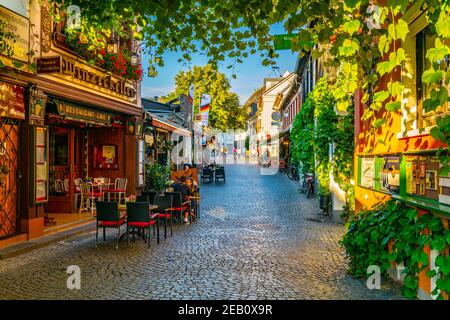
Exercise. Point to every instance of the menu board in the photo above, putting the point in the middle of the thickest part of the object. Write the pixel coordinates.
(391, 175)
(367, 172)
(40, 165)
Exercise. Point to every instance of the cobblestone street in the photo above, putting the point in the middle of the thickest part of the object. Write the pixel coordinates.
(257, 238)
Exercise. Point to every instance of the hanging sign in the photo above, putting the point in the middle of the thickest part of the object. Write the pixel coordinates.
(48, 64)
(12, 101)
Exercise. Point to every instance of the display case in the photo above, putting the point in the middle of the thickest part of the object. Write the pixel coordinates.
(39, 164)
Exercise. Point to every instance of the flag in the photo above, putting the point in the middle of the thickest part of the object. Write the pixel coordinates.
(205, 104)
(191, 100)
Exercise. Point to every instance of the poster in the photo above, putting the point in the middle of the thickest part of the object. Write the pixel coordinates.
(410, 184)
(391, 174)
(41, 190)
(106, 157)
(367, 172)
(431, 180)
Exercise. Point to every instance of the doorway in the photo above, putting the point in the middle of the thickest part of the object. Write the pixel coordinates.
(65, 167)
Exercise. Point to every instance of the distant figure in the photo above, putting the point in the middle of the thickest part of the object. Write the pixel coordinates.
(235, 153)
(182, 187)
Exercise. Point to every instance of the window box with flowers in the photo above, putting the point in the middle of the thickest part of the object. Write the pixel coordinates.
(117, 63)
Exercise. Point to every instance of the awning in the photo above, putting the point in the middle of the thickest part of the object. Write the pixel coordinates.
(158, 123)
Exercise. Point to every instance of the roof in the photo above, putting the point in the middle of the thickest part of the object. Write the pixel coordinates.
(152, 105)
(255, 95)
(166, 123)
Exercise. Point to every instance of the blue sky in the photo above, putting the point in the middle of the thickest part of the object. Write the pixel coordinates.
(250, 73)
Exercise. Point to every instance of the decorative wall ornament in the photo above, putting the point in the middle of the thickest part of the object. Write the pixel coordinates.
(46, 28)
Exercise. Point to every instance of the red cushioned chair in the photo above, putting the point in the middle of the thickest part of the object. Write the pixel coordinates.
(119, 191)
(179, 206)
(164, 204)
(108, 216)
(139, 217)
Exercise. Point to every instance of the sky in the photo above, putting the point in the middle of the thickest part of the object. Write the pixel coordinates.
(250, 74)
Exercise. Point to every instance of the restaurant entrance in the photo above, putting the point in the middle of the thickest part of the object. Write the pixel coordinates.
(66, 165)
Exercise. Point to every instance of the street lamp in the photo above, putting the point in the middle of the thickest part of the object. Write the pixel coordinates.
(134, 59)
(112, 46)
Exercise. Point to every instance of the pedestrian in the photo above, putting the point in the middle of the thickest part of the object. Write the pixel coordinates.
(182, 187)
(234, 153)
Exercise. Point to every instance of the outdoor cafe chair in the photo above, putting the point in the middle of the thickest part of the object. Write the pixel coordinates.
(148, 196)
(108, 216)
(77, 193)
(119, 191)
(207, 175)
(220, 174)
(139, 217)
(165, 204)
(88, 197)
(179, 206)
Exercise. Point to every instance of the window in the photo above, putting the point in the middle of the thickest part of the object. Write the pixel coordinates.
(140, 164)
(424, 41)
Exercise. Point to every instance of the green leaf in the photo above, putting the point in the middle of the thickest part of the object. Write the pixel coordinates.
(349, 47)
(447, 236)
(393, 106)
(443, 284)
(2, 65)
(378, 123)
(380, 96)
(396, 88)
(17, 64)
(430, 105)
(443, 262)
(352, 27)
(401, 29)
(385, 67)
(438, 53)
(430, 76)
(443, 25)
(384, 44)
(435, 224)
(438, 244)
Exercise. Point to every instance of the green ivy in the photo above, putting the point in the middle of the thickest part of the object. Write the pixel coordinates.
(370, 232)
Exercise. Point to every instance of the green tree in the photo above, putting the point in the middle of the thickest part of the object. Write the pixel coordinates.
(225, 112)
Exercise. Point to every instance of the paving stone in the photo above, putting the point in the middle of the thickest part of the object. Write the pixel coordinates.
(256, 239)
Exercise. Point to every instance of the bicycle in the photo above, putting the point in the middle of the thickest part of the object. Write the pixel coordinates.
(292, 173)
(308, 184)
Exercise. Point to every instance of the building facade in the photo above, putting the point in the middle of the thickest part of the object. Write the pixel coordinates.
(63, 119)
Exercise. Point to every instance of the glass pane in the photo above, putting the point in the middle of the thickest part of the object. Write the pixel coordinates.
(61, 150)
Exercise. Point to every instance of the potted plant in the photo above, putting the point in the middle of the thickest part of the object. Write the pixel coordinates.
(156, 176)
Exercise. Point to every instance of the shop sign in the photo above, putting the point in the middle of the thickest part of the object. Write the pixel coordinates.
(89, 76)
(20, 27)
(79, 113)
(48, 64)
(12, 101)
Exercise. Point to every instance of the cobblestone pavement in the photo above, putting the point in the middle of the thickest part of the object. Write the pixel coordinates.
(257, 239)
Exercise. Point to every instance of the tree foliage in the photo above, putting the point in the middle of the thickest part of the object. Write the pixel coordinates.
(226, 112)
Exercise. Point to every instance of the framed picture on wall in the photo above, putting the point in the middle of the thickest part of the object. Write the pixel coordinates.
(106, 156)
(431, 180)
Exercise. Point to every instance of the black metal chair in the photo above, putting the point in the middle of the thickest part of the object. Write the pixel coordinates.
(179, 206)
(139, 217)
(207, 175)
(108, 216)
(220, 174)
(149, 196)
(164, 204)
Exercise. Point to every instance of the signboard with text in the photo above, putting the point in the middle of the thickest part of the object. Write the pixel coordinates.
(20, 27)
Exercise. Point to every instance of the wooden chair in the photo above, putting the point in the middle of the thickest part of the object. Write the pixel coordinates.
(108, 216)
(77, 193)
(119, 191)
(88, 197)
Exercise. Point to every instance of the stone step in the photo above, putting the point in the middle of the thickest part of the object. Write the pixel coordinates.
(23, 247)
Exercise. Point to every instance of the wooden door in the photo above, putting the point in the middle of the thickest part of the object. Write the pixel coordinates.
(65, 167)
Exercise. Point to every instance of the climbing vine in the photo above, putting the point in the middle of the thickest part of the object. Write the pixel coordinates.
(393, 233)
(316, 127)
(302, 138)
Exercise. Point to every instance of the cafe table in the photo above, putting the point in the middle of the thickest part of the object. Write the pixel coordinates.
(123, 214)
